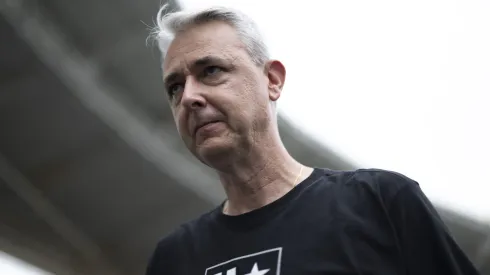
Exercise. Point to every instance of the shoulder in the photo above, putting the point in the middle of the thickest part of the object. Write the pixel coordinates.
(187, 231)
(162, 257)
(375, 177)
(384, 179)
(384, 184)
(175, 245)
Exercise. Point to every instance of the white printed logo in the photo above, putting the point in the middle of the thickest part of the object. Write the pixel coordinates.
(266, 262)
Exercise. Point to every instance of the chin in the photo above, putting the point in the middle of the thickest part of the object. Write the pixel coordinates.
(213, 151)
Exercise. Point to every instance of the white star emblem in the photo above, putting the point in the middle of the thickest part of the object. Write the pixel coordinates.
(256, 271)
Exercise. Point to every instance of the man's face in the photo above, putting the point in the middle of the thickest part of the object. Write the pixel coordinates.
(219, 97)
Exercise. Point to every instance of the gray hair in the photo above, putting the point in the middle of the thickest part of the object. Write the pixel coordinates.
(169, 24)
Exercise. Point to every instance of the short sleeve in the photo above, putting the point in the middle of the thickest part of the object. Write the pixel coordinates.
(426, 244)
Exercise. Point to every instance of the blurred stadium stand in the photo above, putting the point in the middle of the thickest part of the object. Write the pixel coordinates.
(92, 172)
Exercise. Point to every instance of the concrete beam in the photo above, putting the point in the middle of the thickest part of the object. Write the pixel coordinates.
(483, 256)
(23, 247)
(53, 217)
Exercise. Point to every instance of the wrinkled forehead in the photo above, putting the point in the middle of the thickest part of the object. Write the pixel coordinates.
(210, 39)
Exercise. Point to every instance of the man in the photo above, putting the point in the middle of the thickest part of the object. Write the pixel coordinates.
(280, 217)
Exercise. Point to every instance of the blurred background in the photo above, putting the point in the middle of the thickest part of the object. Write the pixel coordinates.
(93, 173)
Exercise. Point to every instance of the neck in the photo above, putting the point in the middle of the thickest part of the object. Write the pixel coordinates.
(266, 173)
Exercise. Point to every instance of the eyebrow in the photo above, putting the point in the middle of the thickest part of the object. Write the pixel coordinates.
(201, 62)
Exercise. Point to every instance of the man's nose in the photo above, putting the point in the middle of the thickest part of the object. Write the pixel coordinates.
(192, 96)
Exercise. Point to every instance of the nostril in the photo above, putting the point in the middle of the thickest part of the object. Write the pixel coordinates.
(197, 104)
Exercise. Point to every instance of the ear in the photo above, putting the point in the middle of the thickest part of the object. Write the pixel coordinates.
(276, 73)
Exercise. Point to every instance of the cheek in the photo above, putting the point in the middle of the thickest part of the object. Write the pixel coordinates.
(245, 91)
(180, 123)
(254, 94)
(237, 101)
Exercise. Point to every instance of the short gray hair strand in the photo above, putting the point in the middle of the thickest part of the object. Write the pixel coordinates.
(169, 24)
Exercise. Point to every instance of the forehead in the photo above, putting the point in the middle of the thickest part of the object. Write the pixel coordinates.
(213, 38)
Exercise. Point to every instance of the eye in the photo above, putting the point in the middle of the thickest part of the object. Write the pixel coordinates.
(174, 89)
(211, 70)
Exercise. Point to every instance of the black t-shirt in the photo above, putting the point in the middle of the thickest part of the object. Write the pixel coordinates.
(357, 222)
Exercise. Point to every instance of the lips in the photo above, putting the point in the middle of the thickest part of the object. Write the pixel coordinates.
(202, 124)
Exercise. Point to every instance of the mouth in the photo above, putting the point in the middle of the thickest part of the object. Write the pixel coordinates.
(204, 124)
